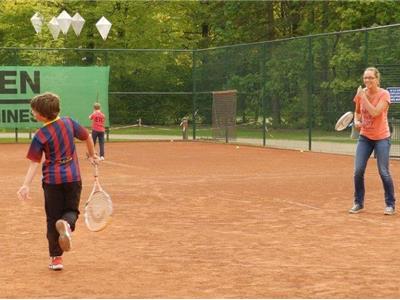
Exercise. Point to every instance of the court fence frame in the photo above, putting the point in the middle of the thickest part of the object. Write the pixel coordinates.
(301, 83)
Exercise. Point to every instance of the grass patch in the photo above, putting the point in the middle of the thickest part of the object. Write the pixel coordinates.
(206, 132)
(12, 141)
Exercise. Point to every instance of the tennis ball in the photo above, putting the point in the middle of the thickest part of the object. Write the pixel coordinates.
(237, 147)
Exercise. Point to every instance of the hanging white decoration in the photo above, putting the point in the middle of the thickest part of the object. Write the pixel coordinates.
(64, 21)
(37, 22)
(54, 27)
(103, 26)
(77, 23)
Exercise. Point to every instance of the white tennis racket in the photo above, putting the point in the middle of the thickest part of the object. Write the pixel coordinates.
(98, 207)
(345, 121)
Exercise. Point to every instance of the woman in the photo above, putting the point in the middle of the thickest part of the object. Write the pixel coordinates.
(370, 117)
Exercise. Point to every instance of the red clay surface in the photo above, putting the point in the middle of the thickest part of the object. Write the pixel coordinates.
(200, 220)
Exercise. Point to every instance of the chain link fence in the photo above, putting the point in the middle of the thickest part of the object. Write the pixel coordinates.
(289, 92)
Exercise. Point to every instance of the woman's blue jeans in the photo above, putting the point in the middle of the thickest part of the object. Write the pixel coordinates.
(364, 150)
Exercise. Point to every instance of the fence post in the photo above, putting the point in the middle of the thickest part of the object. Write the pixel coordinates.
(106, 58)
(262, 66)
(17, 57)
(194, 92)
(310, 91)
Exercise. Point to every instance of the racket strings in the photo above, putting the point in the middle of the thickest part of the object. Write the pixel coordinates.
(344, 121)
(98, 210)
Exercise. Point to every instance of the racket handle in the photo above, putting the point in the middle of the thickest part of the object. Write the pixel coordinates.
(96, 171)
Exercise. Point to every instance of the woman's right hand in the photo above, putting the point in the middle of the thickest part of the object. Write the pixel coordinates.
(357, 124)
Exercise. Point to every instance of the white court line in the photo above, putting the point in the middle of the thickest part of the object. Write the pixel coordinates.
(268, 176)
(107, 162)
(209, 177)
(336, 212)
(251, 176)
(298, 204)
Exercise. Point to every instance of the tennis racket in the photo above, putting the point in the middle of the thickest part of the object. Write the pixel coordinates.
(346, 120)
(98, 207)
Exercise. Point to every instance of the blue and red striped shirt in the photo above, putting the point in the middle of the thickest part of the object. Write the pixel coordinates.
(56, 141)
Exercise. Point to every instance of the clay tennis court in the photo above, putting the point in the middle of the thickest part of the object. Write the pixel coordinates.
(203, 220)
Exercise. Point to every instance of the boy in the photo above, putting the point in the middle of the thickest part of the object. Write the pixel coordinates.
(61, 180)
(98, 119)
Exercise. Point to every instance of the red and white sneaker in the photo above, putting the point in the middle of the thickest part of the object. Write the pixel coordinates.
(56, 263)
(64, 230)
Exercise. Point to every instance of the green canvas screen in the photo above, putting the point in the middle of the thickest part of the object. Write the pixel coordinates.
(78, 88)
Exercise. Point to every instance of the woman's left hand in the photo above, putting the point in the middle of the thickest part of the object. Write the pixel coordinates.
(360, 91)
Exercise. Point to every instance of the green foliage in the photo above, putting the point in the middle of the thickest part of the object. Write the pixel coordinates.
(281, 70)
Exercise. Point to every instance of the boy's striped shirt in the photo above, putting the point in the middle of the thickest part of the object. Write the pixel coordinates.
(56, 141)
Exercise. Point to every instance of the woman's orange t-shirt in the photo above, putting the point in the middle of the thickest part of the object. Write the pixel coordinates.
(374, 128)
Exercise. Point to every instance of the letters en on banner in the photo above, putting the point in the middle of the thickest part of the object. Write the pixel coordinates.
(78, 88)
(394, 94)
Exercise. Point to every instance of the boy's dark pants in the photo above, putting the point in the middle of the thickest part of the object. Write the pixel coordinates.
(61, 202)
(100, 135)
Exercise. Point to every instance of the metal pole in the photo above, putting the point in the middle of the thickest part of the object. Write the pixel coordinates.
(16, 57)
(310, 92)
(106, 58)
(194, 94)
(263, 81)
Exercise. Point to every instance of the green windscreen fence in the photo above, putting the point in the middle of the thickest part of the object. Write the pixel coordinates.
(78, 88)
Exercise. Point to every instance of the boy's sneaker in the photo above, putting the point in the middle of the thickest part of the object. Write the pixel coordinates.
(56, 263)
(101, 157)
(389, 210)
(356, 209)
(65, 235)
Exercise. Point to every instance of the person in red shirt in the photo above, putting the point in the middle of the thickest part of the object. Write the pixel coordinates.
(98, 120)
(61, 179)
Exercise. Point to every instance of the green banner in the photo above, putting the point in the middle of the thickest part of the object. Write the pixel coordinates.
(78, 88)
